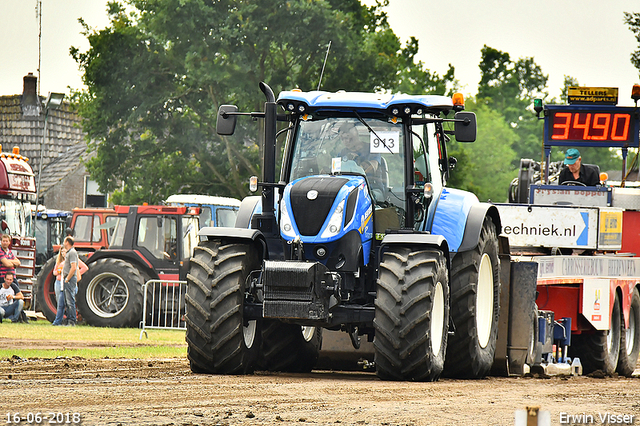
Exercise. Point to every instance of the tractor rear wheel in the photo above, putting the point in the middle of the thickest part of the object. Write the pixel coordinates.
(411, 315)
(290, 347)
(45, 292)
(219, 339)
(110, 294)
(600, 350)
(630, 338)
(475, 307)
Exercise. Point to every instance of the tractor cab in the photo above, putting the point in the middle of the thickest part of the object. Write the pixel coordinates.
(147, 243)
(361, 166)
(161, 237)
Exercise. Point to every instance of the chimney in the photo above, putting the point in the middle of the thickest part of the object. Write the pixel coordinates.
(30, 103)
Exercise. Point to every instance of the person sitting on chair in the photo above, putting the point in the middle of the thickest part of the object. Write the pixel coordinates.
(576, 171)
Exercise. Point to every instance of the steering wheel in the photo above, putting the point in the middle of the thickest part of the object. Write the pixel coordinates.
(572, 183)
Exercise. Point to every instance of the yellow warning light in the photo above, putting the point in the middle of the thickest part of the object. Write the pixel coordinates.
(635, 92)
(296, 90)
(16, 150)
(458, 99)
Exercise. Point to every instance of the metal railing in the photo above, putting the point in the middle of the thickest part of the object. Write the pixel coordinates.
(163, 305)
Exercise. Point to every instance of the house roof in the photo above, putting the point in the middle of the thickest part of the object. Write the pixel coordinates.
(24, 128)
(65, 164)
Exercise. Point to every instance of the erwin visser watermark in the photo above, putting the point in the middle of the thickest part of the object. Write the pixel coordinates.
(597, 419)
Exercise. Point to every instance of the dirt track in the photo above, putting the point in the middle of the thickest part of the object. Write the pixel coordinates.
(165, 392)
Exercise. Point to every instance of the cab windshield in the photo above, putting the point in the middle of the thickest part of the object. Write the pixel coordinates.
(18, 217)
(370, 147)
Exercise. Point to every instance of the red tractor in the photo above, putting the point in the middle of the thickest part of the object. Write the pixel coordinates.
(147, 242)
(91, 230)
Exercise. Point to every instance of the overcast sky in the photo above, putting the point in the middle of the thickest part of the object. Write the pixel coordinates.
(586, 39)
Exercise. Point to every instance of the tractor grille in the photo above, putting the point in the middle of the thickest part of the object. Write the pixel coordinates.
(311, 214)
(295, 290)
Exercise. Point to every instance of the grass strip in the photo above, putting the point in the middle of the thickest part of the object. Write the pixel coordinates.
(138, 352)
(88, 342)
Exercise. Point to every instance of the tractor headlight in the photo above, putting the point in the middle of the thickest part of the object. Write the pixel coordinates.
(285, 221)
(335, 222)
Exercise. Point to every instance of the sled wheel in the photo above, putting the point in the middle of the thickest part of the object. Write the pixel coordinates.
(219, 340)
(630, 338)
(411, 315)
(475, 295)
(600, 350)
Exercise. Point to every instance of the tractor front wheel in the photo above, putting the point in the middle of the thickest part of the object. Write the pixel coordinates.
(411, 315)
(219, 339)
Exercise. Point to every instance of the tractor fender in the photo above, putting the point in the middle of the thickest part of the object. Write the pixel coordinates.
(237, 235)
(475, 219)
(451, 214)
(246, 211)
(417, 241)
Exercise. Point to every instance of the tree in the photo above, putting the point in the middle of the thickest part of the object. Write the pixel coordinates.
(568, 82)
(158, 73)
(633, 20)
(486, 167)
(510, 87)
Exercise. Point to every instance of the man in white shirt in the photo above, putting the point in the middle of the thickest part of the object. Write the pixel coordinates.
(11, 299)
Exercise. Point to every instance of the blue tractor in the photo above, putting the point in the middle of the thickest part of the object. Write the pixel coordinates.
(359, 234)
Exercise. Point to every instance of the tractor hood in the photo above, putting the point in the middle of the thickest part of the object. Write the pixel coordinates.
(323, 208)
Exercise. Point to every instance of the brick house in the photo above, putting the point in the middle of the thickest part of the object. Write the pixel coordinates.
(64, 183)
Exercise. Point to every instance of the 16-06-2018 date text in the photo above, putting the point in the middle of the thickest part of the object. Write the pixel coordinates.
(52, 418)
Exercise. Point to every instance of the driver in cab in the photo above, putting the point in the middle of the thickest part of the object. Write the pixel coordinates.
(357, 151)
(575, 171)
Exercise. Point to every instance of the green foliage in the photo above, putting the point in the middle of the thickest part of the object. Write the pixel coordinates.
(633, 20)
(486, 167)
(568, 82)
(158, 73)
(509, 87)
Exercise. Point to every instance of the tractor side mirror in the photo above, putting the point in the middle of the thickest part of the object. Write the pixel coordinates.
(226, 123)
(465, 126)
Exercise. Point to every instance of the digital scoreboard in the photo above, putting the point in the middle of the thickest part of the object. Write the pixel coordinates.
(591, 125)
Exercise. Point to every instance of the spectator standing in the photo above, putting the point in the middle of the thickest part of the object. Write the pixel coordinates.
(57, 272)
(8, 260)
(59, 286)
(11, 299)
(70, 277)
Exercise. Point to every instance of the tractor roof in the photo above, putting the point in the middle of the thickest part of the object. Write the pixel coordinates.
(316, 99)
(197, 199)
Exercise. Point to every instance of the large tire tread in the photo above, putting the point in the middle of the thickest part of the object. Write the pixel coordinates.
(466, 358)
(215, 295)
(404, 302)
